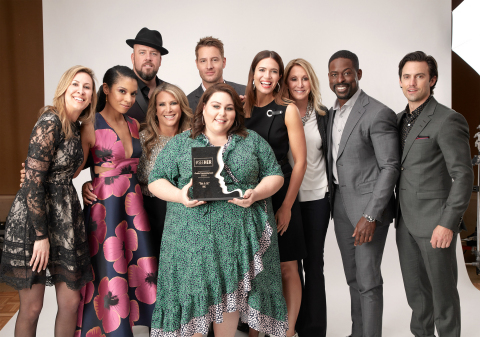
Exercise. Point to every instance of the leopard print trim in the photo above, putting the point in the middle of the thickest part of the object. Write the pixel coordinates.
(236, 301)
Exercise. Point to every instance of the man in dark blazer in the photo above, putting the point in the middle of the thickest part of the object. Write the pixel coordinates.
(146, 59)
(210, 61)
(433, 192)
(363, 160)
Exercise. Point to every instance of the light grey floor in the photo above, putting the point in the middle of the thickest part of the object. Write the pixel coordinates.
(396, 317)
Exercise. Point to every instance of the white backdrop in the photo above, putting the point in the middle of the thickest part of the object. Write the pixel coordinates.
(93, 33)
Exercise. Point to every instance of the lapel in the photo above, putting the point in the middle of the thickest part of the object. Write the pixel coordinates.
(422, 120)
(355, 115)
(142, 102)
(399, 119)
(331, 117)
(199, 92)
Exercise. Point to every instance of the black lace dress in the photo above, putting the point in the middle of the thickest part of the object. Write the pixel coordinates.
(47, 205)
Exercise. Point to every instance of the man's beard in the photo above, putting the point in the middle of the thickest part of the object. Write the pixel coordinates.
(146, 77)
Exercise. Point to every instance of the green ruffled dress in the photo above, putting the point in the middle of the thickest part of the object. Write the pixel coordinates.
(219, 257)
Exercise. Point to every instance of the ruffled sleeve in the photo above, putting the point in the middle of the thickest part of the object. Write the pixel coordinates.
(44, 140)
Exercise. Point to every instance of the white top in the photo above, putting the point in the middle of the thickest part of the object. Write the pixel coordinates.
(314, 184)
(339, 122)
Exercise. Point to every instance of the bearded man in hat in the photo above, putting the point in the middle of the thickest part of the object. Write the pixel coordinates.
(146, 59)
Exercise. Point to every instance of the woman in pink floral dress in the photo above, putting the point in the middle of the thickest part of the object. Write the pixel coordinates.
(123, 291)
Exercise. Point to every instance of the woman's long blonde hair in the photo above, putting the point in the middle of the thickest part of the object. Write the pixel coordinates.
(151, 120)
(58, 106)
(314, 96)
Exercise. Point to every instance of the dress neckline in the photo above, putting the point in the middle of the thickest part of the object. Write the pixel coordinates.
(118, 137)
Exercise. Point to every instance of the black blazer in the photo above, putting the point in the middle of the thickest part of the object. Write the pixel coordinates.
(194, 96)
(322, 122)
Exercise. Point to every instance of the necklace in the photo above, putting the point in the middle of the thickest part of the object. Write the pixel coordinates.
(308, 113)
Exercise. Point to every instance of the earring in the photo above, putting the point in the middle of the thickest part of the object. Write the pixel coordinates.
(106, 98)
(253, 84)
(203, 121)
(278, 83)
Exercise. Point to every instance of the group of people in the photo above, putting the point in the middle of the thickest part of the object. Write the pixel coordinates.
(145, 253)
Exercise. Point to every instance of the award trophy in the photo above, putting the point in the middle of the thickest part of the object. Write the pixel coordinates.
(208, 184)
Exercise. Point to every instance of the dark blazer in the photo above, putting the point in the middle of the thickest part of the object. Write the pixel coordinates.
(194, 96)
(368, 160)
(322, 123)
(436, 152)
(139, 109)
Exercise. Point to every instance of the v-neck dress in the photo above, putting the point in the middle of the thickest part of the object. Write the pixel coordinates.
(123, 291)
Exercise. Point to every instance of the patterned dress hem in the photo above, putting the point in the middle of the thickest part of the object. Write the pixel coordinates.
(235, 301)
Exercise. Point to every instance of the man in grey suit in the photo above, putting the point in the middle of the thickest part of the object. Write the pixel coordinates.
(210, 61)
(433, 192)
(363, 159)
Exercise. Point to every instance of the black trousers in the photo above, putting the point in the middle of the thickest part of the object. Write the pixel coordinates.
(156, 210)
(312, 319)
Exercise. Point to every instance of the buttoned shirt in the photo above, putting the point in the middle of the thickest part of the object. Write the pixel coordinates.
(339, 122)
(409, 120)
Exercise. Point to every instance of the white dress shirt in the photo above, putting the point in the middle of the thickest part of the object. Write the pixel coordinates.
(314, 183)
(341, 117)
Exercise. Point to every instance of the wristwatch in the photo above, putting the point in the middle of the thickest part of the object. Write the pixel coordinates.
(369, 218)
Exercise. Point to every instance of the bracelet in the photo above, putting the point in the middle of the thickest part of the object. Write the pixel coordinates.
(369, 218)
(41, 237)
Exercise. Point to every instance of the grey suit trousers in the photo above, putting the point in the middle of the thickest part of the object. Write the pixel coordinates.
(362, 271)
(430, 279)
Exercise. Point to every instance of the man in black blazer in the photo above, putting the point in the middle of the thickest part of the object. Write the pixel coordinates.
(433, 192)
(210, 62)
(146, 59)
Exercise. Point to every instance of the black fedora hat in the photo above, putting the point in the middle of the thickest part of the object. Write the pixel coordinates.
(150, 38)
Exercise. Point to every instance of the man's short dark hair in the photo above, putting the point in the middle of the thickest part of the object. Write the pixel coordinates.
(345, 54)
(420, 56)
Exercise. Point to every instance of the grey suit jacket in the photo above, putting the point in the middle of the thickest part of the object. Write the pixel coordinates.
(436, 151)
(368, 161)
(194, 96)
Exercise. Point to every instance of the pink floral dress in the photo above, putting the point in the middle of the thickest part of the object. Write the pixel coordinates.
(125, 269)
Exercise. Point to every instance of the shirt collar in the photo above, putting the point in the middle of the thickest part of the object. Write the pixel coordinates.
(142, 86)
(203, 87)
(351, 102)
(419, 109)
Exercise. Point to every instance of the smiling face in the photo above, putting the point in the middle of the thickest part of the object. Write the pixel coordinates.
(343, 79)
(266, 76)
(168, 110)
(298, 84)
(121, 96)
(146, 61)
(218, 114)
(210, 64)
(78, 95)
(416, 83)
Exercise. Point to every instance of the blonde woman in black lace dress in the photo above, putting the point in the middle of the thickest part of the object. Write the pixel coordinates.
(45, 241)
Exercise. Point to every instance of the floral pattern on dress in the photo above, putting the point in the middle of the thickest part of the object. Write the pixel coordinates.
(134, 207)
(119, 249)
(120, 236)
(98, 227)
(144, 277)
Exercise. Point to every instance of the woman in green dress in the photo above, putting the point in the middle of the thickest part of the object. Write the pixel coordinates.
(219, 260)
